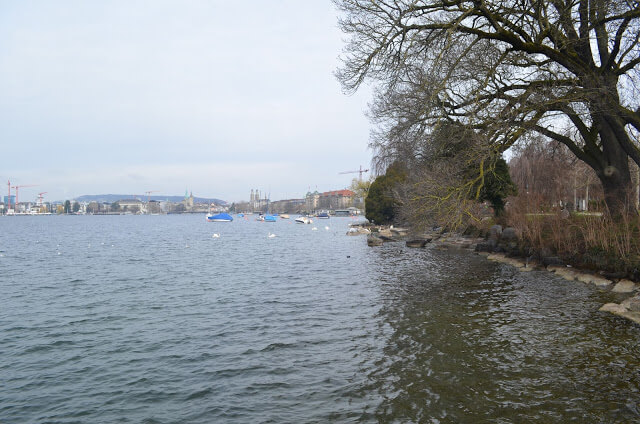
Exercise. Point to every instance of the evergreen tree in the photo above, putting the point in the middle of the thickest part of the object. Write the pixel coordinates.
(380, 203)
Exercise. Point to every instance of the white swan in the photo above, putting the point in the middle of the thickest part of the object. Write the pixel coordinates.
(271, 235)
(326, 228)
(215, 235)
(314, 229)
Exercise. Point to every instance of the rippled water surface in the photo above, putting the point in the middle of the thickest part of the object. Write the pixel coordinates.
(107, 319)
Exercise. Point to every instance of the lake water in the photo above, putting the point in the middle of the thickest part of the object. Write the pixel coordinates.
(150, 319)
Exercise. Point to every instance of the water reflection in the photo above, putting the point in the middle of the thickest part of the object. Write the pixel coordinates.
(467, 340)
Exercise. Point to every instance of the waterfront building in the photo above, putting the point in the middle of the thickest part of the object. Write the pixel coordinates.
(288, 206)
(337, 199)
(153, 206)
(312, 201)
(329, 200)
(130, 205)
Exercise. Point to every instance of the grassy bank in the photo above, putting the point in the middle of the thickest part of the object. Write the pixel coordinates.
(590, 240)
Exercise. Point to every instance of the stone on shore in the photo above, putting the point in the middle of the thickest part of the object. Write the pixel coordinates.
(593, 279)
(495, 231)
(622, 310)
(417, 242)
(625, 286)
(572, 275)
(374, 241)
(399, 232)
(632, 304)
(452, 241)
(353, 231)
(521, 264)
(502, 245)
(614, 308)
(563, 271)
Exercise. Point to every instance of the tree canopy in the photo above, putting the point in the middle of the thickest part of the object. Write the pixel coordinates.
(565, 69)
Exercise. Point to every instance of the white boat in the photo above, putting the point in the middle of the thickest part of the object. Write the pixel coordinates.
(284, 216)
(304, 220)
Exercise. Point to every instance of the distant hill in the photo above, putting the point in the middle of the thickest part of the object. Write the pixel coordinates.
(110, 198)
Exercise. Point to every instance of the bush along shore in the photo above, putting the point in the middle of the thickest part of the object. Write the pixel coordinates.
(508, 247)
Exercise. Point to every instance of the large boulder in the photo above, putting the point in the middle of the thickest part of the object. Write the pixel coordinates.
(624, 286)
(508, 235)
(486, 246)
(495, 232)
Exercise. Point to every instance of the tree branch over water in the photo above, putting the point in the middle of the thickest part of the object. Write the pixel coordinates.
(505, 69)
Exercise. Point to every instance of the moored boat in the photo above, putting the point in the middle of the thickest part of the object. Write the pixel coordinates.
(221, 217)
(266, 218)
(304, 220)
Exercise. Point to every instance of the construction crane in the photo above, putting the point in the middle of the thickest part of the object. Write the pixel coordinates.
(360, 172)
(9, 196)
(17, 187)
(41, 198)
(148, 194)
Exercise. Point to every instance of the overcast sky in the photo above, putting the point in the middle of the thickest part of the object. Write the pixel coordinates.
(217, 97)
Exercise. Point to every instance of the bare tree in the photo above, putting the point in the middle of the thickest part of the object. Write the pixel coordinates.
(550, 175)
(505, 68)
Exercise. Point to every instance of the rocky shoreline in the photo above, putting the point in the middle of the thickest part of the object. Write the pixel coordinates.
(502, 246)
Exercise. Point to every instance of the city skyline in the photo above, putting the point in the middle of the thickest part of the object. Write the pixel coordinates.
(130, 97)
(27, 195)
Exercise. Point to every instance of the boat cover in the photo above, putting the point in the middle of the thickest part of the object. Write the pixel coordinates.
(221, 216)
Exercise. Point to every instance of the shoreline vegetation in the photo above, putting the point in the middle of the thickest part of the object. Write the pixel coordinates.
(503, 246)
(460, 88)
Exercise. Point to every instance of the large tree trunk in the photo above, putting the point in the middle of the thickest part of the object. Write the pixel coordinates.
(613, 169)
(615, 176)
(635, 177)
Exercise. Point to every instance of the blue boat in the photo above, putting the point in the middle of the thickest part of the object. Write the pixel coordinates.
(221, 217)
(269, 218)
